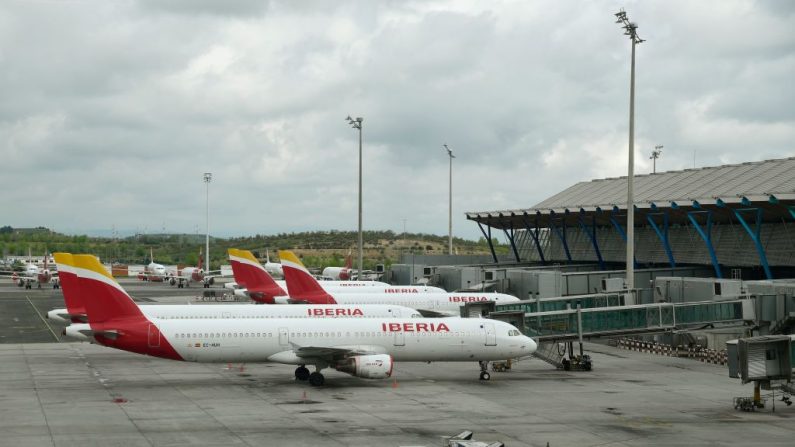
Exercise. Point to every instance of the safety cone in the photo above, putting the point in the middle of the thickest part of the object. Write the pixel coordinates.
(304, 397)
(394, 383)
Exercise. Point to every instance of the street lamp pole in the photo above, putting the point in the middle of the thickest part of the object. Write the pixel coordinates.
(357, 124)
(208, 176)
(655, 154)
(450, 208)
(631, 30)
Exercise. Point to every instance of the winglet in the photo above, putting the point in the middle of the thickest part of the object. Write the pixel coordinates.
(250, 274)
(300, 283)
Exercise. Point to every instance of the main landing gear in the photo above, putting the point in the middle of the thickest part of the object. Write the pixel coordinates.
(484, 374)
(315, 378)
(301, 373)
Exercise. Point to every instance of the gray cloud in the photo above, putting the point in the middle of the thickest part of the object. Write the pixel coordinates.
(113, 110)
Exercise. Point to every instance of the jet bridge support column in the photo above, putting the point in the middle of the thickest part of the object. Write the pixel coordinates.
(510, 236)
(561, 234)
(663, 235)
(590, 230)
(534, 235)
(755, 235)
(488, 239)
(706, 236)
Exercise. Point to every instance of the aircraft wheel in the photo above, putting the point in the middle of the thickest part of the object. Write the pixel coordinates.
(302, 373)
(316, 379)
(484, 375)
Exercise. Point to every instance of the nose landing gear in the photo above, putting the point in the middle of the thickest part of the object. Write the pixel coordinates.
(484, 374)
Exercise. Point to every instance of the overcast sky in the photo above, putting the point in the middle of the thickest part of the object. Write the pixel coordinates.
(110, 111)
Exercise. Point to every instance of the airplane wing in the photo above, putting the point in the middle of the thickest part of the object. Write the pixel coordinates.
(333, 354)
(427, 313)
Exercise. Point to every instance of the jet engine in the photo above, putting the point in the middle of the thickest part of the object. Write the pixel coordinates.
(377, 366)
(78, 331)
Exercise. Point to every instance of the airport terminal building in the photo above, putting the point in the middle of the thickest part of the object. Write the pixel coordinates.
(739, 220)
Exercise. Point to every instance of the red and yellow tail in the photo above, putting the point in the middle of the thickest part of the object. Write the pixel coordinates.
(70, 286)
(114, 317)
(104, 298)
(250, 274)
(301, 285)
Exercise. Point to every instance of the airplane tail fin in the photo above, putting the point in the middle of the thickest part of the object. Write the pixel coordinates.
(114, 318)
(105, 299)
(249, 273)
(300, 283)
(70, 286)
(349, 260)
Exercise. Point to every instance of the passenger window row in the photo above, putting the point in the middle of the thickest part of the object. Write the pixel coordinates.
(225, 335)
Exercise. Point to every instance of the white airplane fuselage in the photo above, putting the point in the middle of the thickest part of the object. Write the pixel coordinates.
(247, 311)
(278, 340)
(368, 287)
(443, 303)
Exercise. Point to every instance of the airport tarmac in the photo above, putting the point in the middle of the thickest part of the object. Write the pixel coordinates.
(67, 394)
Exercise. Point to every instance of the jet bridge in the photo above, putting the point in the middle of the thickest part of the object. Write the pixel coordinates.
(570, 324)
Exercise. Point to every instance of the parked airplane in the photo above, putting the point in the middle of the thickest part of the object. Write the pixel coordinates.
(260, 287)
(187, 275)
(76, 308)
(273, 268)
(33, 274)
(340, 273)
(153, 271)
(302, 287)
(364, 348)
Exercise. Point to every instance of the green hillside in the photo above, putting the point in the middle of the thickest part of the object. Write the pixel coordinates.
(317, 248)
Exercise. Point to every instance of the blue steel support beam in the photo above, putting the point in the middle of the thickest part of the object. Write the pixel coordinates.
(623, 234)
(561, 236)
(707, 237)
(511, 240)
(755, 235)
(663, 235)
(534, 235)
(791, 209)
(590, 230)
(488, 239)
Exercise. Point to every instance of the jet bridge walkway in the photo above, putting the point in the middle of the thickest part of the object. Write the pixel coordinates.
(569, 302)
(571, 324)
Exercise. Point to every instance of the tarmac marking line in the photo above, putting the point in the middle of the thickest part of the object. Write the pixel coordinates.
(43, 320)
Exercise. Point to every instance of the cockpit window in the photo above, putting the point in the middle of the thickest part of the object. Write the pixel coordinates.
(514, 333)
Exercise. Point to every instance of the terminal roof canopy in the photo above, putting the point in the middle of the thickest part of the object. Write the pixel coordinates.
(768, 185)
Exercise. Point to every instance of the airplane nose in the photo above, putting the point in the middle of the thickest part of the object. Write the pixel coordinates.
(531, 345)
